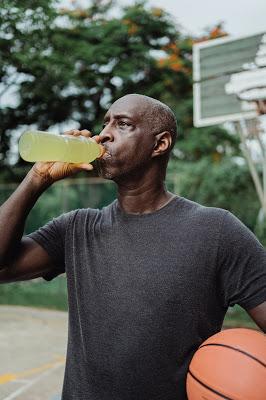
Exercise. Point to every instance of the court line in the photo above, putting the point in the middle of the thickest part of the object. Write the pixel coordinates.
(29, 384)
(13, 377)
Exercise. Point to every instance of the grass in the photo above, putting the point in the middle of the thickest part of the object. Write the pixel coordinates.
(53, 295)
(236, 317)
(37, 293)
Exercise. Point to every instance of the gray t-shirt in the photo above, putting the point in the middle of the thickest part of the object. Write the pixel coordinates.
(145, 291)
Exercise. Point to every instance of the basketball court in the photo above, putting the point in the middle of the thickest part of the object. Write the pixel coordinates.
(33, 348)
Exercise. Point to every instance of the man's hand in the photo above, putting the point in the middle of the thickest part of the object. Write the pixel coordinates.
(22, 258)
(50, 172)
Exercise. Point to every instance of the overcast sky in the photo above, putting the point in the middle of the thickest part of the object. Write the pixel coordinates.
(241, 17)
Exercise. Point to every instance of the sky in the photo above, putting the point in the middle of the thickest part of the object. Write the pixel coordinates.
(241, 17)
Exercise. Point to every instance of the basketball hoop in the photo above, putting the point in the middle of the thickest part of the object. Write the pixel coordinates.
(230, 86)
(249, 85)
(256, 95)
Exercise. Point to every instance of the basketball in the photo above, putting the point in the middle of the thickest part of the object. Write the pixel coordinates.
(229, 365)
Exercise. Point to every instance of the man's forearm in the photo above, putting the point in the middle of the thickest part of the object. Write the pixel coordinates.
(13, 214)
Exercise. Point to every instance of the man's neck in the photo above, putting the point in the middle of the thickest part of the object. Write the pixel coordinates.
(143, 196)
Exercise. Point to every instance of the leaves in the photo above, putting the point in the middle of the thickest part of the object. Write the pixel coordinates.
(65, 66)
(70, 64)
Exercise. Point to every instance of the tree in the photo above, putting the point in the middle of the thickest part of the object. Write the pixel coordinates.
(70, 64)
(24, 39)
(73, 71)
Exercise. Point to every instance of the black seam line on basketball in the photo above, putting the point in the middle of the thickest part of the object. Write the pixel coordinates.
(234, 348)
(209, 388)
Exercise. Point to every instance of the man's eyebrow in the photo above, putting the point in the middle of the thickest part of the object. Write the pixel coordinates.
(118, 116)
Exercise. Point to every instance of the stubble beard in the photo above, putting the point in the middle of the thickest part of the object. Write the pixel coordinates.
(103, 170)
(121, 174)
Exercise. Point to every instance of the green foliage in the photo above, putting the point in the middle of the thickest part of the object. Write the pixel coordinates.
(237, 317)
(64, 196)
(213, 142)
(70, 64)
(24, 38)
(67, 65)
(260, 229)
(210, 169)
(37, 293)
(68, 195)
(224, 184)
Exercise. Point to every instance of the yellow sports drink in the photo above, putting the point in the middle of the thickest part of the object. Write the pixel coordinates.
(44, 146)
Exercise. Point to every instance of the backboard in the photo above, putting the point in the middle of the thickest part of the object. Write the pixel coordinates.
(229, 75)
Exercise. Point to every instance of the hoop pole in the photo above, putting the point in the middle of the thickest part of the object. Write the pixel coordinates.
(263, 152)
(243, 132)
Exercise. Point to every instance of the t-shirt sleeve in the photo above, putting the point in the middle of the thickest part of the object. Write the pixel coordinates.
(52, 238)
(241, 261)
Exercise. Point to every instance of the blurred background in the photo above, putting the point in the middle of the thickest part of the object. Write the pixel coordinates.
(62, 63)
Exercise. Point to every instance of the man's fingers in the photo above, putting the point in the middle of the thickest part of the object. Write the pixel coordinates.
(77, 132)
(85, 132)
(83, 166)
(71, 132)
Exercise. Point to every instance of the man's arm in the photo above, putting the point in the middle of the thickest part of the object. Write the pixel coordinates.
(258, 314)
(31, 261)
(17, 254)
(22, 258)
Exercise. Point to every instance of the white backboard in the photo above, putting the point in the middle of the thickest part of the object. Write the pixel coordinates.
(228, 73)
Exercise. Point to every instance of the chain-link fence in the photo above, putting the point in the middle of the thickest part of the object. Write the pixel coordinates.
(64, 196)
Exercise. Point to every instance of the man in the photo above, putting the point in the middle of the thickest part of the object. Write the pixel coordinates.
(150, 276)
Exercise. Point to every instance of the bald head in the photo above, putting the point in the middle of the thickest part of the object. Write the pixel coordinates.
(158, 115)
(138, 134)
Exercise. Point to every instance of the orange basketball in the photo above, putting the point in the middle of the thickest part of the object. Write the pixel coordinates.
(229, 365)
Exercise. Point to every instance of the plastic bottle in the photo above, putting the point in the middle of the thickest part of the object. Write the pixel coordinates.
(44, 146)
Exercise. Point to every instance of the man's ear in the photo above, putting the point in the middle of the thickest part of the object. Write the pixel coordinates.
(162, 143)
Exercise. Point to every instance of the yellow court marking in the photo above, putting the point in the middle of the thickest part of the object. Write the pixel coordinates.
(12, 377)
(7, 378)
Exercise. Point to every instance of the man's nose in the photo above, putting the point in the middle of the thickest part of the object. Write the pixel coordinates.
(106, 135)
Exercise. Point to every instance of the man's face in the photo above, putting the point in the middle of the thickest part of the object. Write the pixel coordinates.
(127, 137)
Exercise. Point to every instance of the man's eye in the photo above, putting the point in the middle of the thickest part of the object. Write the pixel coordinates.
(123, 123)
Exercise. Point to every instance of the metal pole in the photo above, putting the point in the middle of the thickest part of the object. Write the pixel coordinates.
(243, 132)
(263, 152)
